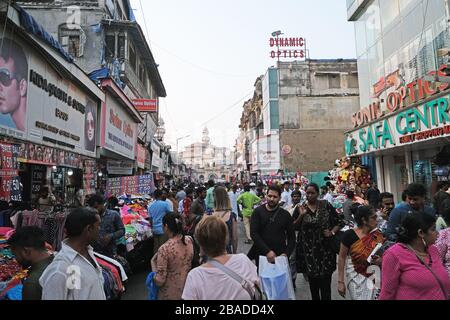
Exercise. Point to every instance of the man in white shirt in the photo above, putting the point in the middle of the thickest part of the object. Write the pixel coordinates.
(233, 194)
(74, 273)
(328, 196)
(286, 199)
(253, 188)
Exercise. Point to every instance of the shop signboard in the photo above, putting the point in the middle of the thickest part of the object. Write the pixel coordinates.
(146, 105)
(281, 47)
(156, 159)
(400, 97)
(120, 129)
(139, 185)
(148, 162)
(423, 122)
(140, 158)
(9, 176)
(46, 108)
(120, 167)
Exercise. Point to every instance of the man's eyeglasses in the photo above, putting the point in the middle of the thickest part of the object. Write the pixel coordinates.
(6, 77)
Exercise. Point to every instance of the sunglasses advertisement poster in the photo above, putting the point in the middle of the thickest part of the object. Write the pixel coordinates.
(9, 175)
(39, 106)
(38, 154)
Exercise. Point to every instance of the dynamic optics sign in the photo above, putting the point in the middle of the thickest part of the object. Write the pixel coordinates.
(287, 48)
(424, 122)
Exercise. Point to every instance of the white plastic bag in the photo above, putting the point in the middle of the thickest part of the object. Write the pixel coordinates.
(276, 278)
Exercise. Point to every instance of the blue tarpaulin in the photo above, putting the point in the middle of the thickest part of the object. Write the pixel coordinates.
(31, 25)
(132, 17)
(99, 74)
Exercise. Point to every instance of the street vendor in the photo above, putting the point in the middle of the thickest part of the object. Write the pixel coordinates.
(111, 227)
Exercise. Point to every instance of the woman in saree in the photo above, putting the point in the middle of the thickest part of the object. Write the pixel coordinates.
(357, 247)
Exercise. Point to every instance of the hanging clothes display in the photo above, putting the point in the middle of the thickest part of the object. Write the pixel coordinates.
(52, 223)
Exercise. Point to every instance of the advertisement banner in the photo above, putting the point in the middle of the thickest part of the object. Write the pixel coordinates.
(89, 176)
(43, 107)
(120, 167)
(140, 156)
(38, 154)
(138, 185)
(9, 174)
(120, 129)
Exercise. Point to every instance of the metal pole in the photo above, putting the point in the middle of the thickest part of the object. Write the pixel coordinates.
(278, 49)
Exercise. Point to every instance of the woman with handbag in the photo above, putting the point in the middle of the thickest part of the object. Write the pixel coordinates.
(224, 276)
(317, 222)
(173, 260)
(412, 268)
(356, 250)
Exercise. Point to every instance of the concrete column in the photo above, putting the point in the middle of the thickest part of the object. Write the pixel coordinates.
(390, 182)
(409, 166)
(116, 44)
(380, 173)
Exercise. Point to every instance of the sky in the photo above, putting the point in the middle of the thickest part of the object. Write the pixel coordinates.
(210, 53)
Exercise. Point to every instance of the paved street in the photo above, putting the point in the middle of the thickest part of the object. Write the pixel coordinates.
(136, 289)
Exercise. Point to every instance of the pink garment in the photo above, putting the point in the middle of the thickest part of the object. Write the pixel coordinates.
(213, 284)
(403, 277)
(5, 230)
(443, 246)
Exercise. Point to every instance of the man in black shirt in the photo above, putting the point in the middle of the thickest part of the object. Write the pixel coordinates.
(272, 229)
(28, 246)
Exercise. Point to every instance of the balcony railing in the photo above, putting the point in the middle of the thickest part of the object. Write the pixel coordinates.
(129, 74)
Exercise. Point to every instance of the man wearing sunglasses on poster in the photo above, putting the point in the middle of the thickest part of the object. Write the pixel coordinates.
(13, 85)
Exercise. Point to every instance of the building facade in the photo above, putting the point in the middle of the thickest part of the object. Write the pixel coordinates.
(105, 40)
(49, 126)
(208, 161)
(403, 121)
(297, 117)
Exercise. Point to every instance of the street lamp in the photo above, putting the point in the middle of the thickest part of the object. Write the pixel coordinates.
(160, 131)
(178, 151)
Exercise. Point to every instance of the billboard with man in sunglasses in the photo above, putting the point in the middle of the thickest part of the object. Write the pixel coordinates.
(13, 85)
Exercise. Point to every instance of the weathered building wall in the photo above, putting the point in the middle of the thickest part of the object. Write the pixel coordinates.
(312, 150)
(315, 103)
(52, 18)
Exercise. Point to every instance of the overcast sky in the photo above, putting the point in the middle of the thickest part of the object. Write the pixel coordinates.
(210, 53)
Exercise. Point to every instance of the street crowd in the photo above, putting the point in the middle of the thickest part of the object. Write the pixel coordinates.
(380, 249)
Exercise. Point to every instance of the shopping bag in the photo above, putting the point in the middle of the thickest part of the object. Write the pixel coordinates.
(151, 287)
(276, 279)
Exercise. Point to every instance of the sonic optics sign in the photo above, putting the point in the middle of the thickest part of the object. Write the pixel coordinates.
(287, 48)
(426, 121)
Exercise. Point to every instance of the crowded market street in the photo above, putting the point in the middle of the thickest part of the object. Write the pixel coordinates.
(136, 289)
(212, 153)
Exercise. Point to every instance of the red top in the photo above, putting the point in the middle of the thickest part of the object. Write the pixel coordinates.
(404, 277)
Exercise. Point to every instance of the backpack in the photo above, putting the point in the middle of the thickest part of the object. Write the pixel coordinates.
(189, 232)
(229, 224)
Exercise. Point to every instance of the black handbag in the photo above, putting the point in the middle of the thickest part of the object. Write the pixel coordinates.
(334, 242)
